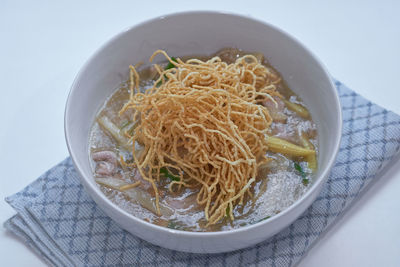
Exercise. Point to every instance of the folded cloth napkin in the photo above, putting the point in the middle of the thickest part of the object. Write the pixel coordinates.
(58, 220)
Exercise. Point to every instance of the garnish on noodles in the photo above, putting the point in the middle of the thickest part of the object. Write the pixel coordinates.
(202, 121)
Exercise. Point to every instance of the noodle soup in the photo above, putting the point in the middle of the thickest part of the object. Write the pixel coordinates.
(231, 176)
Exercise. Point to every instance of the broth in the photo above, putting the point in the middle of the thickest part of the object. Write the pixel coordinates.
(284, 180)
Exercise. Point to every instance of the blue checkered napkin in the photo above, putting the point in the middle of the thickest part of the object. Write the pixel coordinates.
(64, 226)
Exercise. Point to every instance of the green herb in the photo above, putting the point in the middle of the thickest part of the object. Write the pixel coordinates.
(165, 172)
(169, 66)
(302, 173)
(124, 124)
(263, 219)
(299, 169)
(172, 225)
(228, 210)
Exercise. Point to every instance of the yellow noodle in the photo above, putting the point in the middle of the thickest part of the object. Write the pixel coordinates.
(129, 186)
(204, 120)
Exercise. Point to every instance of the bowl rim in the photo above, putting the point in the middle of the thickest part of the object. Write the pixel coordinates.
(153, 227)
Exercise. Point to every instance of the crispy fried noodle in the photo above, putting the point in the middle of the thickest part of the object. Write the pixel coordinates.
(202, 121)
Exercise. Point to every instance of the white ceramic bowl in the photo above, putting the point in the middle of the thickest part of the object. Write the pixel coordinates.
(202, 33)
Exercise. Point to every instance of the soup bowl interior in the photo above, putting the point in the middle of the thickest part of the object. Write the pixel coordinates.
(201, 33)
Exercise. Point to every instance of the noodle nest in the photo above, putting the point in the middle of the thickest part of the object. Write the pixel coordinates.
(203, 122)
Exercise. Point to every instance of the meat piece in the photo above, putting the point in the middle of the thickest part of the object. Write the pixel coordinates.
(105, 156)
(278, 106)
(106, 162)
(145, 185)
(284, 131)
(188, 203)
(276, 109)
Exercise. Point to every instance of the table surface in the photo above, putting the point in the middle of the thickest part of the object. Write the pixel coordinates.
(44, 44)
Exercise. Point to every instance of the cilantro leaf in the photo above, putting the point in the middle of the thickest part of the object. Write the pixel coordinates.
(228, 210)
(263, 219)
(166, 173)
(169, 66)
(172, 225)
(302, 173)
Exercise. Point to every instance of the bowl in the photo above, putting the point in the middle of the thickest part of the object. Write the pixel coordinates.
(192, 33)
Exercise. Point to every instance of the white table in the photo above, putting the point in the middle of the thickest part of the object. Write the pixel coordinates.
(44, 43)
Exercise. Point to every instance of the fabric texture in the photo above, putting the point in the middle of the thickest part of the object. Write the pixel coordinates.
(58, 220)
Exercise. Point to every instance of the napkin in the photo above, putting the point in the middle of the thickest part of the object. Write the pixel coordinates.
(61, 223)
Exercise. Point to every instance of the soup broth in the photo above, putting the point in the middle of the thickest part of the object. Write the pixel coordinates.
(283, 180)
